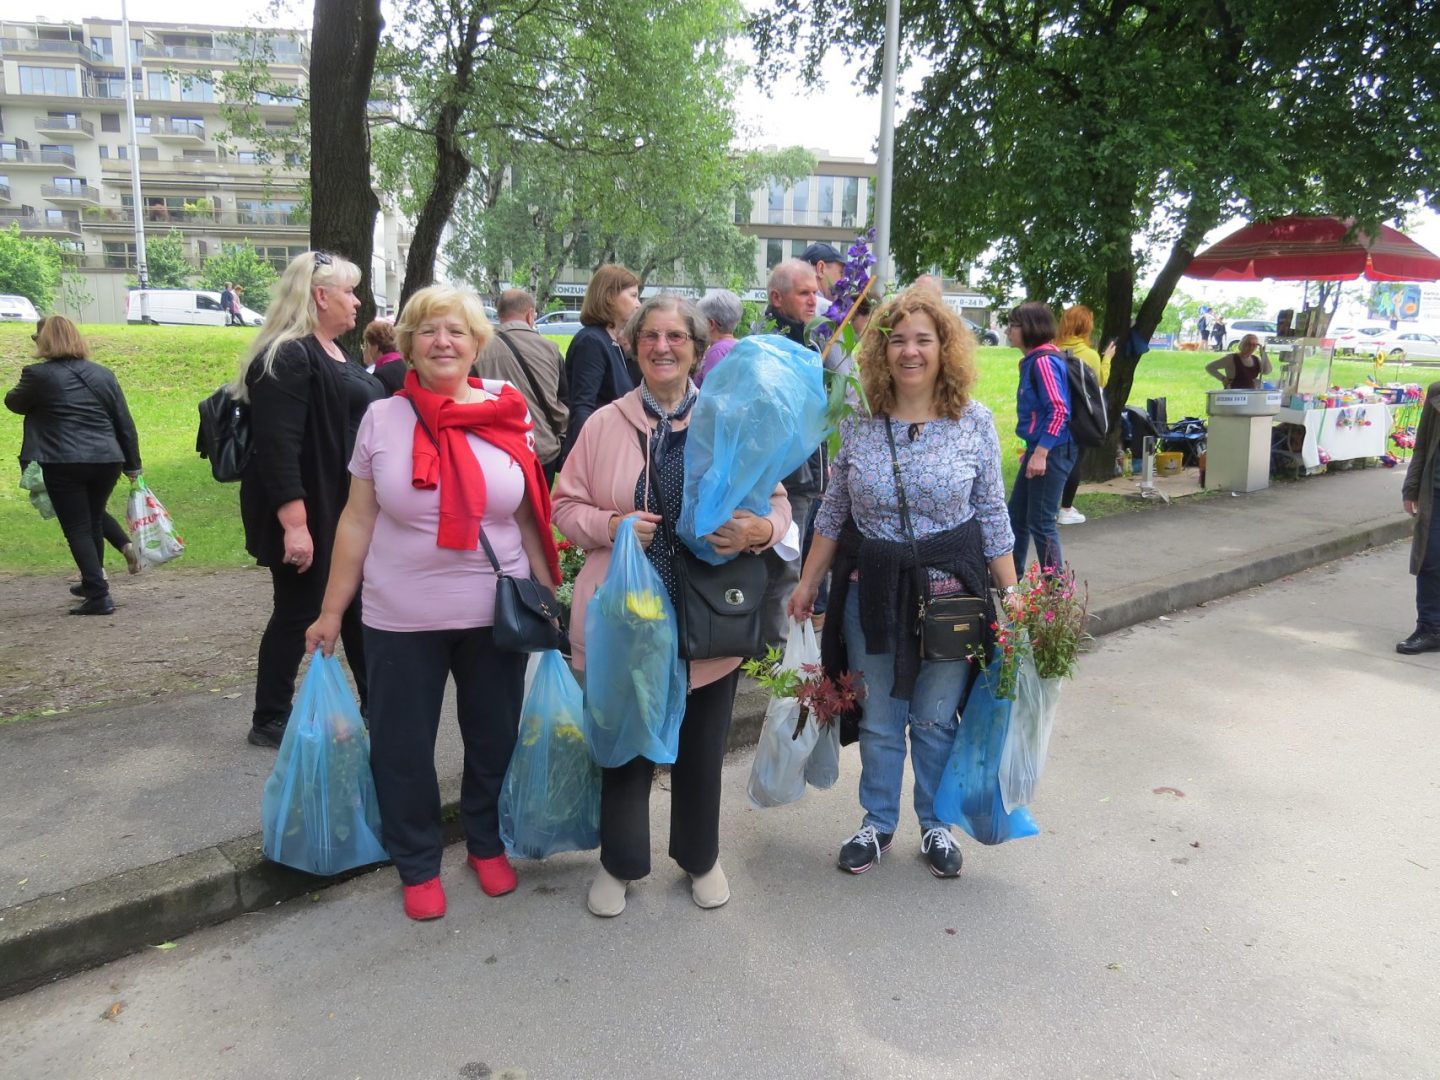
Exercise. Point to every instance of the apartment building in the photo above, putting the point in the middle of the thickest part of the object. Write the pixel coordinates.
(65, 147)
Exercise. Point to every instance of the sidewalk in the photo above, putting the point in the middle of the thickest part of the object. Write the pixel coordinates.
(127, 826)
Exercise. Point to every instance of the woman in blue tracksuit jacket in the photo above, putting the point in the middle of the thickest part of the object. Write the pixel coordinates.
(1042, 408)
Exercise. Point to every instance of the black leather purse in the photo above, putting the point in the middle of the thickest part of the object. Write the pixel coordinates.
(525, 611)
(949, 627)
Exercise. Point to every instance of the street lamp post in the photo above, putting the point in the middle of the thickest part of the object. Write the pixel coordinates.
(886, 164)
(141, 270)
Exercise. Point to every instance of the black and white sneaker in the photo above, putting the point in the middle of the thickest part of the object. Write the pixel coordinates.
(941, 853)
(863, 850)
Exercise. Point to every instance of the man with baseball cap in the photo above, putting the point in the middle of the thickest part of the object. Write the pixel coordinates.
(829, 264)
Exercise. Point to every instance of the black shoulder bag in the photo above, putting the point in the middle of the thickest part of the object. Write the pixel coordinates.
(525, 611)
(950, 627)
(718, 608)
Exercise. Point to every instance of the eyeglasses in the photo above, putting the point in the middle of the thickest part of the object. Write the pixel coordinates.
(428, 331)
(321, 259)
(675, 338)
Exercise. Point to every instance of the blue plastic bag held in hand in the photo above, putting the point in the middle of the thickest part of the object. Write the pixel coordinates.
(635, 681)
(550, 801)
(760, 415)
(969, 791)
(319, 811)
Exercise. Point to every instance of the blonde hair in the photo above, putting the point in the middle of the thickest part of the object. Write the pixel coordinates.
(58, 338)
(957, 352)
(442, 300)
(292, 314)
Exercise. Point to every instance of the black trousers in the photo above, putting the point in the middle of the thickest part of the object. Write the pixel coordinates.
(1072, 485)
(79, 493)
(114, 533)
(408, 672)
(282, 646)
(694, 792)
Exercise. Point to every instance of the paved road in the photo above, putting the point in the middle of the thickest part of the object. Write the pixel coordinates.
(1268, 912)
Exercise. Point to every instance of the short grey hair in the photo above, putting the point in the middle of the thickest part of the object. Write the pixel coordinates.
(786, 273)
(723, 308)
(686, 309)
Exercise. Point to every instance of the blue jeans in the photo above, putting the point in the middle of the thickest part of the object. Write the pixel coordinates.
(1427, 581)
(930, 716)
(1034, 504)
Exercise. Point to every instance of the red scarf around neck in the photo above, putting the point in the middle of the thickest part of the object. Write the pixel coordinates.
(442, 458)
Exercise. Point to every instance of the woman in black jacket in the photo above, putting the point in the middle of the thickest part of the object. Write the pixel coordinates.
(78, 427)
(596, 366)
(307, 398)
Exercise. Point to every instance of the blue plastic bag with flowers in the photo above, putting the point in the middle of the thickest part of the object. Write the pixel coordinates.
(761, 414)
(319, 811)
(635, 681)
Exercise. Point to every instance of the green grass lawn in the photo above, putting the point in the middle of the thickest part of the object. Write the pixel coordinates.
(166, 371)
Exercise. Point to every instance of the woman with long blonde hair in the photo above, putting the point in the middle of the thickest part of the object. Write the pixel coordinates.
(306, 397)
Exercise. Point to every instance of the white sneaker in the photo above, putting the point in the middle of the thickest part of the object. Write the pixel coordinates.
(1068, 515)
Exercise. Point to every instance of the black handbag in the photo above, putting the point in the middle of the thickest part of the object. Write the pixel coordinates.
(719, 609)
(949, 627)
(525, 611)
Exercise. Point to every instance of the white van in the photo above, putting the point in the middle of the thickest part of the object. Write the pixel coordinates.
(17, 309)
(185, 307)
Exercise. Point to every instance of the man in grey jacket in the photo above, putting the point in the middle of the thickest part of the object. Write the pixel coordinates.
(531, 363)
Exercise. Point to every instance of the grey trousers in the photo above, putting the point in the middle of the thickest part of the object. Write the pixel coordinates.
(784, 576)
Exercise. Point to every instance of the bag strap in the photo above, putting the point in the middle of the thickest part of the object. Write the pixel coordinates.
(529, 378)
(920, 570)
(110, 411)
(484, 541)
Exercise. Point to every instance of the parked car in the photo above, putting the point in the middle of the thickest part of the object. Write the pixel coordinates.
(1237, 329)
(556, 317)
(1360, 339)
(983, 334)
(1412, 344)
(17, 309)
(559, 327)
(183, 307)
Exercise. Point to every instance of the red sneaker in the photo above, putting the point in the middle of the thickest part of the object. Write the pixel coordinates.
(497, 876)
(426, 900)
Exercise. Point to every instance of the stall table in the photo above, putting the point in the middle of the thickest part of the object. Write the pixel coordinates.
(1345, 432)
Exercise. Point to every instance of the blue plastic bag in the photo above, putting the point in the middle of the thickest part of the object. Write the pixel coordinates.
(759, 417)
(319, 811)
(550, 801)
(969, 791)
(635, 681)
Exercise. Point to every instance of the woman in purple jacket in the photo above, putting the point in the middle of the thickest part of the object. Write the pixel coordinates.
(1042, 409)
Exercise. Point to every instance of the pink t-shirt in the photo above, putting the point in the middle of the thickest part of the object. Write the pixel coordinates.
(410, 583)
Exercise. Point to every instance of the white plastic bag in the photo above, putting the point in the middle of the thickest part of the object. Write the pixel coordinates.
(1022, 759)
(823, 768)
(778, 775)
(151, 529)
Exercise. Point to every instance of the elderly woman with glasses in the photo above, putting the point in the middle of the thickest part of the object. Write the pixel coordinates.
(441, 470)
(306, 397)
(629, 462)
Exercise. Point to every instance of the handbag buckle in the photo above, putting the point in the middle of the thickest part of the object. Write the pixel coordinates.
(734, 597)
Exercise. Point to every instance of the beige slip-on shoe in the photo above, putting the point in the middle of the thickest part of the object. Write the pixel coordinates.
(607, 895)
(710, 889)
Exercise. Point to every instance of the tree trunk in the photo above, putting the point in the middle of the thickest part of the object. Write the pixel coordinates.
(344, 40)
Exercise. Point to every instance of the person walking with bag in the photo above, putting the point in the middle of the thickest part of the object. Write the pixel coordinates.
(446, 495)
(1042, 410)
(1422, 484)
(306, 398)
(914, 524)
(78, 427)
(629, 462)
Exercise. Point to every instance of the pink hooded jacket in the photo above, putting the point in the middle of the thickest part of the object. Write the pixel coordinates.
(598, 481)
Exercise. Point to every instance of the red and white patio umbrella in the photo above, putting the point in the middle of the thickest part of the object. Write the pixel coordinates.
(1315, 249)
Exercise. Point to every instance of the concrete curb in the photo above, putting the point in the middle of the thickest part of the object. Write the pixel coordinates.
(53, 936)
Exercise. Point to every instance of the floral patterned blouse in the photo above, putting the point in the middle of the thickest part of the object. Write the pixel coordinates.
(951, 472)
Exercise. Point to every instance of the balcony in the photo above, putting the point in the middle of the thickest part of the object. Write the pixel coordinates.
(17, 158)
(23, 47)
(178, 132)
(5, 192)
(183, 170)
(71, 194)
(65, 125)
(52, 224)
(291, 222)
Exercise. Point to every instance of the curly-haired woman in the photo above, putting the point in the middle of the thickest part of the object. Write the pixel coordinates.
(927, 433)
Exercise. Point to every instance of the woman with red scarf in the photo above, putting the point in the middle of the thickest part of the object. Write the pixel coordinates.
(445, 459)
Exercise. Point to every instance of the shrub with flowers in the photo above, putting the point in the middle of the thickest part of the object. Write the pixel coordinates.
(572, 559)
(824, 698)
(1047, 615)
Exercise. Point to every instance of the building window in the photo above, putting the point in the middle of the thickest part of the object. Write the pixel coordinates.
(800, 202)
(110, 121)
(797, 248)
(774, 252)
(54, 153)
(104, 46)
(159, 86)
(743, 208)
(74, 185)
(149, 153)
(60, 82)
(119, 256)
(850, 203)
(825, 204)
(197, 90)
(104, 152)
(777, 203)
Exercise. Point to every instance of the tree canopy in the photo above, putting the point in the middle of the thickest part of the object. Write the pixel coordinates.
(166, 265)
(29, 267)
(241, 264)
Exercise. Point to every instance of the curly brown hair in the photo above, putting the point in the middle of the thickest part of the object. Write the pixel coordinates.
(957, 352)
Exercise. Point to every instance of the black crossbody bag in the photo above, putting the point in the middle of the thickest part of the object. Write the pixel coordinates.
(949, 627)
(718, 608)
(525, 611)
